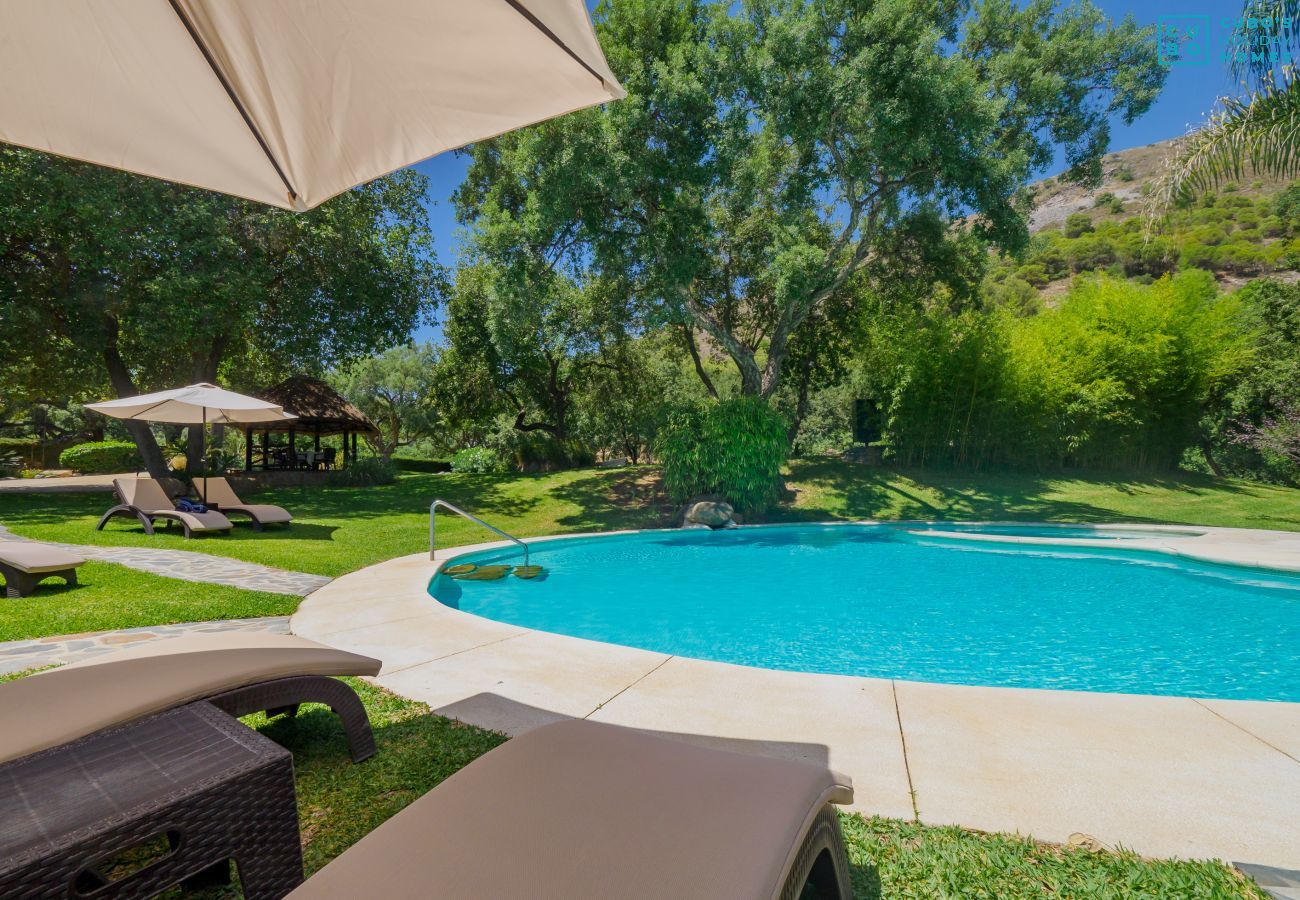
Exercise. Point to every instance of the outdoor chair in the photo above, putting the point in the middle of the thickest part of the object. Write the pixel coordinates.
(583, 809)
(219, 493)
(24, 564)
(239, 673)
(145, 500)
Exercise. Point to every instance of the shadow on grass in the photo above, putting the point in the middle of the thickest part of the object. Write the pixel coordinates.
(631, 498)
(869, 493)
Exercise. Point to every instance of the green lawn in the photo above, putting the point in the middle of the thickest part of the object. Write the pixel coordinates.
(338, 803)
(110, 596)
(339, 530)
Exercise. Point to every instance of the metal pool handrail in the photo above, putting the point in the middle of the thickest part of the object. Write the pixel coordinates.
(433, 508)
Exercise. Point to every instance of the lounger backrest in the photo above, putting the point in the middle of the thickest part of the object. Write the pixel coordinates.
(144, 493)
(218, 491)
(61, 705)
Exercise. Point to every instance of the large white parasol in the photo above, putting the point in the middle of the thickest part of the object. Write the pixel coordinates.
(198, 404)
(288, 102)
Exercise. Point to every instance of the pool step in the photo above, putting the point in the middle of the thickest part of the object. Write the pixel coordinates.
(484, 573)
(471, 572)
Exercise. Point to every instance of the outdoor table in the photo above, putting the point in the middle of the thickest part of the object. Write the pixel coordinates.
(213, 788)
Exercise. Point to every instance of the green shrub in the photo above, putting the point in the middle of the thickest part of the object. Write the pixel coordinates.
(421, 465)
(1125, 174)
(734, 449)
(101, 457)
(476, 461)
(1077, 224)
(365, 472)
(1034, 274)
(1109, 202)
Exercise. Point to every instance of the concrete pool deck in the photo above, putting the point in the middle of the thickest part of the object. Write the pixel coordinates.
(1165, 776)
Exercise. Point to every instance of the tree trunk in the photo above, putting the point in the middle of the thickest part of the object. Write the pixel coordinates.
(123, 386)
(194, 455)
(1208, 453)
(688, 334)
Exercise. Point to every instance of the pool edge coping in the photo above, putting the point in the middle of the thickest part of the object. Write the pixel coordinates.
(387, 605)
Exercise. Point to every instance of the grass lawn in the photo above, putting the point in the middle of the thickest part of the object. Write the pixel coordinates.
(338, 530)
(338, 803)
(110, 596)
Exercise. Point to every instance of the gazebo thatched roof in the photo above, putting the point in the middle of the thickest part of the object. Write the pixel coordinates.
(320, 409)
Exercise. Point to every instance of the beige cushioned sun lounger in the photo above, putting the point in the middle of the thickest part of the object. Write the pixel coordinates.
(219, 491)
(146, 500)
(25, 563)
(580, 809)
(51, 708)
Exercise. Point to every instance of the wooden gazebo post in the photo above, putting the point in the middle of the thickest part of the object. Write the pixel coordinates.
(248, 449)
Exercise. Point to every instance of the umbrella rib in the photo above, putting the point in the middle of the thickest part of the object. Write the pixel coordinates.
(234, 98)
(541, 26)
(150, 408)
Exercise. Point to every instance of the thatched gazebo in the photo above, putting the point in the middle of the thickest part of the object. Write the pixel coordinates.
(322, 412)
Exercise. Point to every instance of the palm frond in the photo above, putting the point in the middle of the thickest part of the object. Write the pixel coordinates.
(1259, 135)
(1285, 16)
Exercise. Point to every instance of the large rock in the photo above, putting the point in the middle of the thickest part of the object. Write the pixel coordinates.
(710, 513)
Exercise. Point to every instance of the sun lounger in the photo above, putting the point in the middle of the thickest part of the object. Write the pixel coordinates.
(581, 809)
(24, 564)
(145, 499)
(239, 673)
(217, 491)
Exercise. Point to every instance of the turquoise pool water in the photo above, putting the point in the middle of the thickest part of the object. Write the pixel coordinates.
(878, 601)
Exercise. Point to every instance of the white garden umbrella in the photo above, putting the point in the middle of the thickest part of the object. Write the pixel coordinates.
(198, 404)
(287, 102)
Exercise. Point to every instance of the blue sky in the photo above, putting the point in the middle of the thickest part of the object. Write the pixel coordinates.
(1189, 94)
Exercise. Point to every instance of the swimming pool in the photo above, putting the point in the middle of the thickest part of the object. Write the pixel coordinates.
(882, 601)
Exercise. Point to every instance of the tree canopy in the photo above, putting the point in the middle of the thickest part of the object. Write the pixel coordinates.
(770, 149)
(113, 280)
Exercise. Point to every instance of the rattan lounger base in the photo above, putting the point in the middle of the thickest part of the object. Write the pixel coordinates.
(284, 695)
(211, 788)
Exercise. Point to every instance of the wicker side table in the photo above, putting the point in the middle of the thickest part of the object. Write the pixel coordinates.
(214, 788)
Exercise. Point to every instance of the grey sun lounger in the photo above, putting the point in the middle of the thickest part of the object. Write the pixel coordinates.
(24, 564)
(218, 491)
(145, 500)
(583, 809)
(239, 673)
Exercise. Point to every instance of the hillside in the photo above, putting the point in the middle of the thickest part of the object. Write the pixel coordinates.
(1125, 174)
(1240, 231)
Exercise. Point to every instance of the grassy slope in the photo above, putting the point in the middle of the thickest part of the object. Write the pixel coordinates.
(339, 530)
(110, 596)
(338, 803)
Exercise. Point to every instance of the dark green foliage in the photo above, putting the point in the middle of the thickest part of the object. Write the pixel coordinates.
(1267, 389)
(101, 457)
(476, 461)
(734, 449)
(26, 449)
(365, 472)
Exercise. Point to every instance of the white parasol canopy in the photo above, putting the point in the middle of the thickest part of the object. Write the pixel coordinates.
(198, 404)
(288, 102)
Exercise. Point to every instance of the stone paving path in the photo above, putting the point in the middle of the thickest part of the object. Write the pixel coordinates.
(190, 566)
(18, 655)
